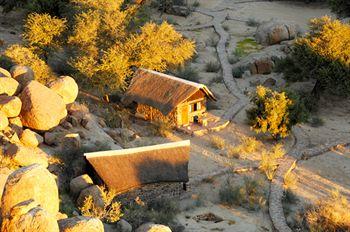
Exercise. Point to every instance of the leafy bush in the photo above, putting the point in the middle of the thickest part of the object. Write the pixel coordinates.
(329, 214)
(316, 122)
(166, 5)
(18, 54)
(252, 22)
(41, 30)
(187, 73)
(250, 195)
(303, 105)
(270, 113)
(237, 72)
(322, 55)
(212, 67)
(111, 211)
(340, 7)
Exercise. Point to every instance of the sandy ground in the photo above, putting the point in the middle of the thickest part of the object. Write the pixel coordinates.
(317, 176)
(10, 28)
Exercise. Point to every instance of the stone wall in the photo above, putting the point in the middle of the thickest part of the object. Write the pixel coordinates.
(152, 192)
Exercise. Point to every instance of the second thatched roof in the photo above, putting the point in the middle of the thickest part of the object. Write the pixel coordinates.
(161, 91)
(125, 169)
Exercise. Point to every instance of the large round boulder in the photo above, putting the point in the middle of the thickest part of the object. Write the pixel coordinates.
(274, 32)
(23, 74)
(10, 105)
(31, 182)
(80, 183)
(24, 156)
(8, 86)
(28, 216)
(30, 138)
(42, 108)
(4, 122)
(150, 227)
(4, 174)
(80, 223)
(66, 87)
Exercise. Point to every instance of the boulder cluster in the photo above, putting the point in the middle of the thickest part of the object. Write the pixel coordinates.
(37, 121)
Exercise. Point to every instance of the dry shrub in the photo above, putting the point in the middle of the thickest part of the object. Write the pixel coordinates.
(270, 113)
(269, 163)
(217, 142)
(250, 195)
(248, 145)
(290, 180)
(42, 29)
(161, 211)
(111, 211)
(162, 128)
(329, 214)
(21, 55)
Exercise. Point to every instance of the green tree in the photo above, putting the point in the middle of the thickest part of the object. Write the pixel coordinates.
(101, 47)
(324, 55)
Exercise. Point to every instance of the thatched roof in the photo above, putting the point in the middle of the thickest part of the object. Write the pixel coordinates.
(161, 91)
(126, 169)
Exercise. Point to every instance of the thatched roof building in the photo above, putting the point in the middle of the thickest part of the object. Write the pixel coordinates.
(166, 93)
(126, 169)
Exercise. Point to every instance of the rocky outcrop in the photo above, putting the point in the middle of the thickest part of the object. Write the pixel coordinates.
(4, 73)
(80, 224)
(80, 183)
(4, 122)
(8, 86)
(274, 32)
(23, 74)
(4, 174)
(262, 62)
(16, 125)
(10, 105)
(150, 227)
(24, 156)
(66, 87)
(42, 108)
(31, 182)
(30, 138)
(28, 216)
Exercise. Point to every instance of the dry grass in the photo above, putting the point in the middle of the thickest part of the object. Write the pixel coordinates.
(250, 195)
(217, 142)
(290, 180)
(269, 163)
(247, 146)
(111, 211)
(329, 214)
